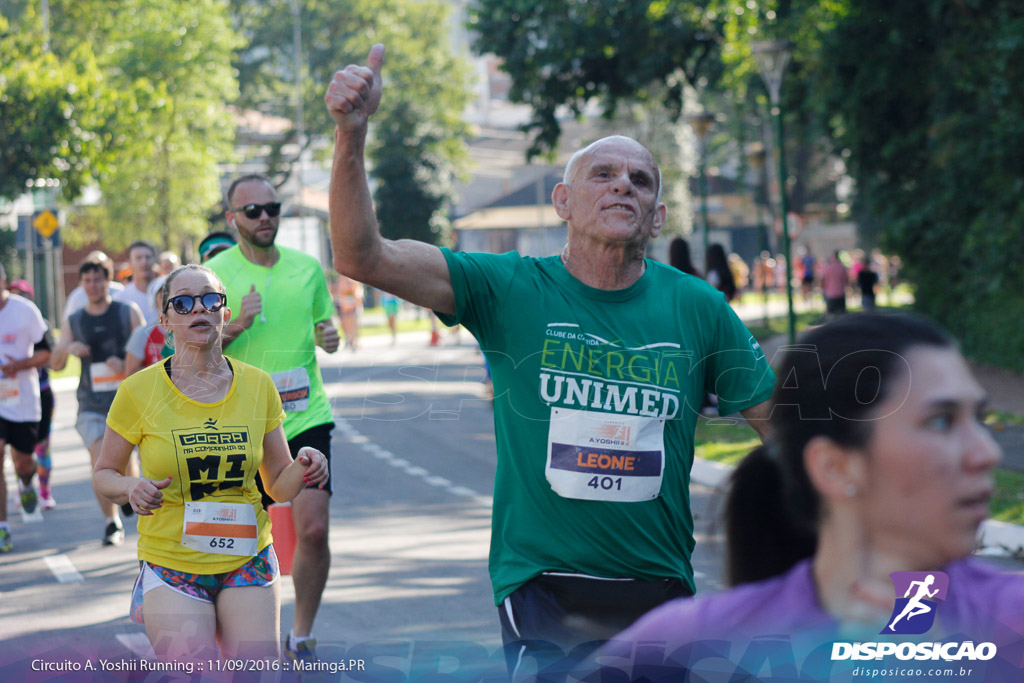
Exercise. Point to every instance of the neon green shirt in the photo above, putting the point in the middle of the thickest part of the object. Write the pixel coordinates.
(283, 339)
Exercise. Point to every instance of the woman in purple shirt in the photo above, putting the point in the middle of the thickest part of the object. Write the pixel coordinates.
(849, 534)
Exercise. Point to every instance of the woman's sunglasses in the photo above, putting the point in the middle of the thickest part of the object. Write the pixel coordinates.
(184, 303)
(253, 211)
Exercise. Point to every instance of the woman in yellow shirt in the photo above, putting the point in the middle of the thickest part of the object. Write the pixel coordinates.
(204, 426)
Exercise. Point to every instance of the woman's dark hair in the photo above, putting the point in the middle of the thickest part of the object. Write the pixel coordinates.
(830, 384)
(716, 262)
(679, 257)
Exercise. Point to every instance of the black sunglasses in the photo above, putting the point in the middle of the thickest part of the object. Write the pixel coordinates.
(253, 211)
(184, 303)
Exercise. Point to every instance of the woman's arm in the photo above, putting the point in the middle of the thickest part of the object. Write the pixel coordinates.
(145, 495)
(283, 478)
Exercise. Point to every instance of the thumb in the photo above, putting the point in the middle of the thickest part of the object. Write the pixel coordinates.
(162, 484)
(376, 59)
(252, 289)
(320, 325)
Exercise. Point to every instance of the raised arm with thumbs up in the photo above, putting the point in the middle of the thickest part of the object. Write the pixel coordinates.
(414, 271)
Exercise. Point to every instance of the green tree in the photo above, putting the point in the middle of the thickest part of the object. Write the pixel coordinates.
(164, 125)
(55, 113)
(933, 118)
(417, 149)
(175, 59)
(567, 54)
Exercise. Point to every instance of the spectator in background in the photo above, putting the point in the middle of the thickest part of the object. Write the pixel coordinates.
(46, 403)
(77, 299)
(867, 280)
(717, 272)
(142, 260)
(679, 257)
(148, 343)
(23, 348)
(740, 272)
(348, 300)
(214, 243)
(389, 302)
(807, 274)
(98, 334)
(834, 280)
(167, 262)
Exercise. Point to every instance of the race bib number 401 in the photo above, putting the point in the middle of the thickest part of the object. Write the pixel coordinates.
(601, 456)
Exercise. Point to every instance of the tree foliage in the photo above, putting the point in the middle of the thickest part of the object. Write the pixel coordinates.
(55, 113)
(926, 98)
(146, 86)
(418, 133)
(567, 54)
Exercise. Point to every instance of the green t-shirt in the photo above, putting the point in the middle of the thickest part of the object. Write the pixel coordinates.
(283, 341)
(596, 400)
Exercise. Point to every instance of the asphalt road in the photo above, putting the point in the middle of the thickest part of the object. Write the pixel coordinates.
(408, 594)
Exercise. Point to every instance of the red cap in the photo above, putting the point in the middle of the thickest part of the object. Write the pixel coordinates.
(22, 287)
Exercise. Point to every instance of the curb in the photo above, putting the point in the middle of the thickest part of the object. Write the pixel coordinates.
(995, 538)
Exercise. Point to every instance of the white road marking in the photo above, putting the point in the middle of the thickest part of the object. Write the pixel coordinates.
(63, 569)
(374, 450)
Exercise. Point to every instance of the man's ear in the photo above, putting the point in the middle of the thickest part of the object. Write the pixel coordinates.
(660, 213)
(560, 198)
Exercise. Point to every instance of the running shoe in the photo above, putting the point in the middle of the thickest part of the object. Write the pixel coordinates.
(46, 501)
(304, 651)
(114, 534)
(5, 541)
(29, 500)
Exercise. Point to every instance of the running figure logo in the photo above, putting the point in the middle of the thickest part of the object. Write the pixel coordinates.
(914, 613)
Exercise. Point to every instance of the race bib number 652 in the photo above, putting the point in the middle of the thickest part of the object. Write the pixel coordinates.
(602, 456)
(221, 528)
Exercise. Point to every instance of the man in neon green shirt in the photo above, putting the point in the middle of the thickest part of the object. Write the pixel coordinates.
(284, 311)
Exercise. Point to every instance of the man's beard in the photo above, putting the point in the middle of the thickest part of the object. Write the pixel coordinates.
(261, 241)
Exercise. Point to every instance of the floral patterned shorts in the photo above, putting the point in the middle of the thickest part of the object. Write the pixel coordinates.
(261, 570)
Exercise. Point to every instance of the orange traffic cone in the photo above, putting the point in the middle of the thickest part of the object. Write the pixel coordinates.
(283, 529)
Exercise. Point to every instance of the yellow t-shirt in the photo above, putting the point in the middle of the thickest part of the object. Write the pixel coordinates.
(211, 451)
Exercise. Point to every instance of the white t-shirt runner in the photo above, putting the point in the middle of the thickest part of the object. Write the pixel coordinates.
(21, 328)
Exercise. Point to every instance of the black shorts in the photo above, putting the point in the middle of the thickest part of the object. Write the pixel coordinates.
(558, 620)
(22, 436)
(46, 402)
(318, 437)
(835, 304)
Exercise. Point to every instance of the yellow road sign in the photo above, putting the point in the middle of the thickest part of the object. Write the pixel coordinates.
(46, 223)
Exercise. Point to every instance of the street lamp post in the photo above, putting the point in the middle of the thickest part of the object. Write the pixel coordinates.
(772, 57)
(756, 158)
(701, 125)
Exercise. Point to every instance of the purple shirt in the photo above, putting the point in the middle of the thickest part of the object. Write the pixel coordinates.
(778, 628)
